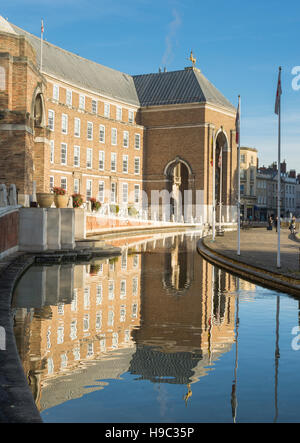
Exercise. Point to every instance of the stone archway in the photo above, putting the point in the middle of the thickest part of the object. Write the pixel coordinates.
(178, 173)
(221, 174)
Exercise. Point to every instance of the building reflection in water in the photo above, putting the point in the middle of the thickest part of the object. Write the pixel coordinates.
(159, 312)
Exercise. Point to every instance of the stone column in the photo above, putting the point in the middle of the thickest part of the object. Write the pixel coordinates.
(53, 228)
(67, 228)
(33, 229)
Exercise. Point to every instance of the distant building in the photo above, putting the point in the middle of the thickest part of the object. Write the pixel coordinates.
(248, 182)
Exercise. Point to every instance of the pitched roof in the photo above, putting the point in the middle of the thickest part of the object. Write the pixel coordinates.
(186, 86)
(83, 72)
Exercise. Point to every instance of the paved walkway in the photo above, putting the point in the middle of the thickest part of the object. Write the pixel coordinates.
(259, 249)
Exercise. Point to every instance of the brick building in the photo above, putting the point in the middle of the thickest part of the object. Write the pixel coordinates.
(70, 122)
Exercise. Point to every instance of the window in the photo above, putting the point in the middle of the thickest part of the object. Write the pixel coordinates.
(86, 322)
(243, 174)
(89, 158)
(130, 116)
(135, 260)
(88, 189)
(99, 320)
(51, 120)
(77, 156)
(69, 97)
(125, 192)
(63, 183)
(111, 290)
(89, 130)
(51, 182)
(242, 189)
(110, 318)
(113, 193)
(113, 136)
(125, 164)
(106, 110)
(123, 289)
(63, 154)
(122, 314)
(115, 339)
(60, 335)
(134, 310)
(77, 127)
(136, 193)
(76, 186)
(101, 192)
(137, 165)
(99, 294)
(135, 285)
(94, 106)
(125, 139)
(243, 158)
(51, 151)
(73, 330)
(119, 113)
(64, 123)
(102, 134)
(113, 164)
(101, 160)
(137, 141)
(86, 298)
(74, 301)
(81, 102)
(56, 92)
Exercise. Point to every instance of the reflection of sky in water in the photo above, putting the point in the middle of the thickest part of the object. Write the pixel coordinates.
(175, 348)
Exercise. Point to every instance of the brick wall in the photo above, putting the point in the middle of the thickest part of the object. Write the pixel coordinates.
(9, 231)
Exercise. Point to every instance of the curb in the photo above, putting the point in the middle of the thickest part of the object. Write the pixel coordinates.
(265, 278)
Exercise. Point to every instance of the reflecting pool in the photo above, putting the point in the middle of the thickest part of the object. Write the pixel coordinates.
(156, 335)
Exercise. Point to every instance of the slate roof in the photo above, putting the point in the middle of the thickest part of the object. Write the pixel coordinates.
(165, 88)
(187, 86)
(83, 72)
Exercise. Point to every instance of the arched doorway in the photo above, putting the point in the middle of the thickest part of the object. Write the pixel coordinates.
(221, 174)
(178, 173)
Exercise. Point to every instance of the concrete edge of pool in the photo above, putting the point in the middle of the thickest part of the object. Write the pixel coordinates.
(17, 402)
(249, 272)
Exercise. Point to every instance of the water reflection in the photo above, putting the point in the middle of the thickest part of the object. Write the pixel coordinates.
(158, 312)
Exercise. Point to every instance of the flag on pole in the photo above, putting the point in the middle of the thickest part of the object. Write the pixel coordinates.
(237, 125)
(42, 26)
(278, 93)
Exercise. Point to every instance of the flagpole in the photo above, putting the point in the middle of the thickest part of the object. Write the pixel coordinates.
(42, 34)
(214, 190)
(279, 167)
(239, 180)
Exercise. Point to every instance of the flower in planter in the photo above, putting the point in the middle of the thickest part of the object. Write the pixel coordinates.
(59, 191)
(77, 200)
(96, 205)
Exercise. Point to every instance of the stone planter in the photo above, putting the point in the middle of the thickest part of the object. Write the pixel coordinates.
(44, 199)
(61, 201)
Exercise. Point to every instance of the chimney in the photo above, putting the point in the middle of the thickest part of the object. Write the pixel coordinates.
(165, 69)
(283, 167)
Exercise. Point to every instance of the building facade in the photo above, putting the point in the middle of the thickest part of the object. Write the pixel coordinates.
(70, 122)
(248, 164)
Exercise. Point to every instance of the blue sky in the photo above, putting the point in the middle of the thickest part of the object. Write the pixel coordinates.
(238, 45)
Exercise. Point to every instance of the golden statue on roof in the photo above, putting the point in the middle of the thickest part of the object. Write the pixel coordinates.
(192, 58)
